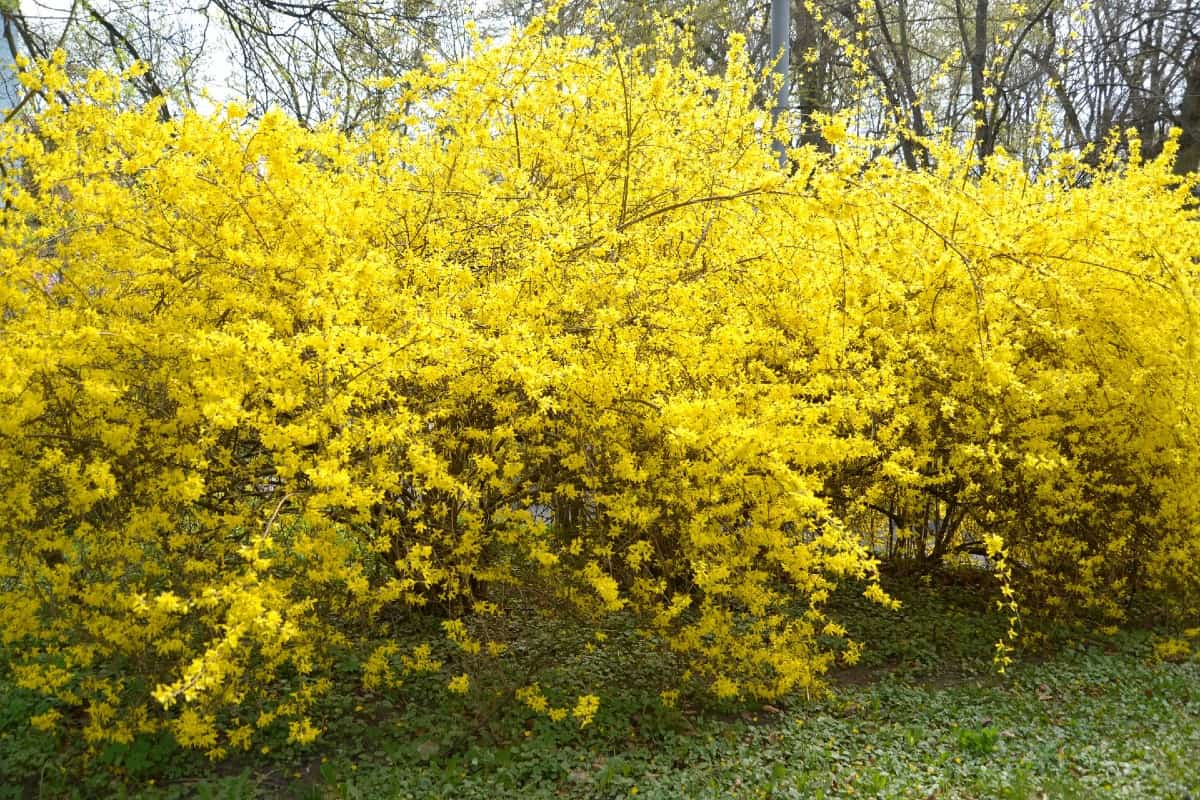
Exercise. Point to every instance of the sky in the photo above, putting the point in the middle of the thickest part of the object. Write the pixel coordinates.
(217, 58)
(10, 90)
(217, 63)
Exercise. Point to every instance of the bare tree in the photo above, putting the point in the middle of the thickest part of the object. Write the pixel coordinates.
(993, 72)
(316, 59)
(1133, 66)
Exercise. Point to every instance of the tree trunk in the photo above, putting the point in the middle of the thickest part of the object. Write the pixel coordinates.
(1188, 159)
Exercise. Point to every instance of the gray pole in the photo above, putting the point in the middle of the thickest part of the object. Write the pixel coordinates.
(781, 50)
(10, 90)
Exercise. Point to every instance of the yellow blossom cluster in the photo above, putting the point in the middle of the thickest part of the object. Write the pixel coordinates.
(563, 323)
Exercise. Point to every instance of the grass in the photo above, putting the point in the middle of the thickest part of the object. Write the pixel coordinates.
(923, 716)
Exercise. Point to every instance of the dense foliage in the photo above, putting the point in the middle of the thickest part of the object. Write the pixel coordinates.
(562, 336)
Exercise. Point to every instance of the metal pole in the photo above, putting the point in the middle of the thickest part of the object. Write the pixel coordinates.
(781, 51)
(10, 90)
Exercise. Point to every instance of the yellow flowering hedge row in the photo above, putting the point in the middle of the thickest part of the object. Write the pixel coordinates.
(562, 333)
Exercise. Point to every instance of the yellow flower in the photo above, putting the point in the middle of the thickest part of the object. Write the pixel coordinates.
(302, 731)
(585, 709)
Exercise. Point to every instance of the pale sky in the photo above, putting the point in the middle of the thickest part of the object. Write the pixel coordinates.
(216, 63)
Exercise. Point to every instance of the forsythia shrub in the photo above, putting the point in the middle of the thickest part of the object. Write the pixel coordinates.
(564, 326)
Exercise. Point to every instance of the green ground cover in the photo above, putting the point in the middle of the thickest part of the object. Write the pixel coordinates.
(922, 716)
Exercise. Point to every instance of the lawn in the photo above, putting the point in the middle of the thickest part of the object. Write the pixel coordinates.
(923, 716)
